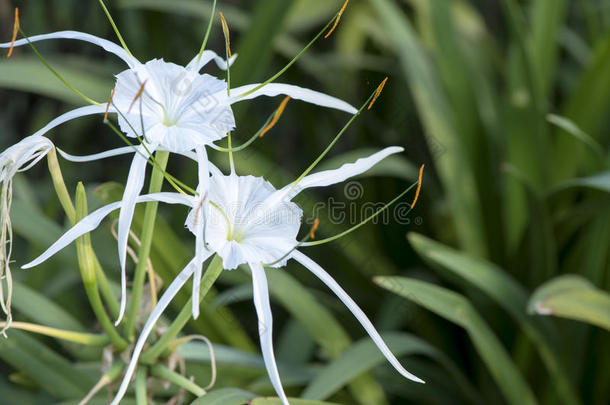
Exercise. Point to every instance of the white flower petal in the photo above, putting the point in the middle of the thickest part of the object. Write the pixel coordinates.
(81, 36)
(92, 221)
(97, 156)
(154, 316)
(87, 224)
(329, 177)
(135, 181)
(265, 327)
(358, 313)
(208, 56)
(296, 92)
(70, 115)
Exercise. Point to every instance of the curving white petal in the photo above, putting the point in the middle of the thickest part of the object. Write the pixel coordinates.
(208, 56)
(70, 115)
(81, 36)
(93, 220)
(97, 156)
(87, 224)
(296, 92)
(265, 327)
(135, 181)
(154, 316)
(329, 177)
(358, 313)
(199, 218)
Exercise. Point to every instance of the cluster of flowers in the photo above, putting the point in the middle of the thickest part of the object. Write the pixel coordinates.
(177, 109)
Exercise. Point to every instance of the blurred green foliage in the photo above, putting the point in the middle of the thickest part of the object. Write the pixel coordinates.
(507, 102)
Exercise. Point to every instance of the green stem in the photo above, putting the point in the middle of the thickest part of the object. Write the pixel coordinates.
(87, 268)
(114, 27)
(88, 339)
(211, 274)
(163, 372)
(66, 202)
(148, 228)
(141, 386)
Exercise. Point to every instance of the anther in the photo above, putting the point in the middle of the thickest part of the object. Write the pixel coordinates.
(137, 96)
(108, 105)
(377, 93)
(225, 30)
(15, 31)
(421, 173)
(314, 228)
(276, 116)
(339, 14)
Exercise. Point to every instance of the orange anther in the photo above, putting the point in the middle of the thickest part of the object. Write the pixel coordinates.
(15, 31)
(314, 228)
(108, 105)
(339, 14)
(137, 96)
(225, 30)
(276, 116)
(421, 173)
(377, 93)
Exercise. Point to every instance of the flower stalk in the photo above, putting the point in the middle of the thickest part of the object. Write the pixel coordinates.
(158, 370)
(87, 268)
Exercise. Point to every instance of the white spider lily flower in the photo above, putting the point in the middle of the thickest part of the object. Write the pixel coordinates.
(245, 220)
(17, 158)
(169, 107)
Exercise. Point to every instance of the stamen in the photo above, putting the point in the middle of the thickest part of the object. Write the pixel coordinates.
(137, 96)
(314, 228)
(339, 14)
(207, 32)
(225, 30)
(421, 173)
(276, 116)
(377, 93)
(108, 105)
(15, 31)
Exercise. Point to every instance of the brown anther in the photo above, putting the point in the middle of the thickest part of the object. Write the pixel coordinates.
(377, 93)
(225, 30)
(137, 96)
(421, 173)
(108, 104)
(276, 116)
(314, 228)
(15, 31)
(337, 19)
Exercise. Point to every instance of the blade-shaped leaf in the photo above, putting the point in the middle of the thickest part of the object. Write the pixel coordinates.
(572, 297)
(457, 309)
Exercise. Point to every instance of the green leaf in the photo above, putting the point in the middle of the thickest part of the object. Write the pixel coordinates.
(29, 302)
(457, 309)
(293, 401)
(224, 396)
(600, 181)
(572, 297)
(27, 73)
(364, 356)
(44, 366)
(505, 292)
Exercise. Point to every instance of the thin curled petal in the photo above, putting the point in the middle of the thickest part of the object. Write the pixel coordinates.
(154, 316)
(135, 181)
(109, 46)
(206, 57)
(70, 115)
(329, 177)
(358, 313)
(296, 92)
(265, 327)
(204, 179)
(93, 220)
(97, 156)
